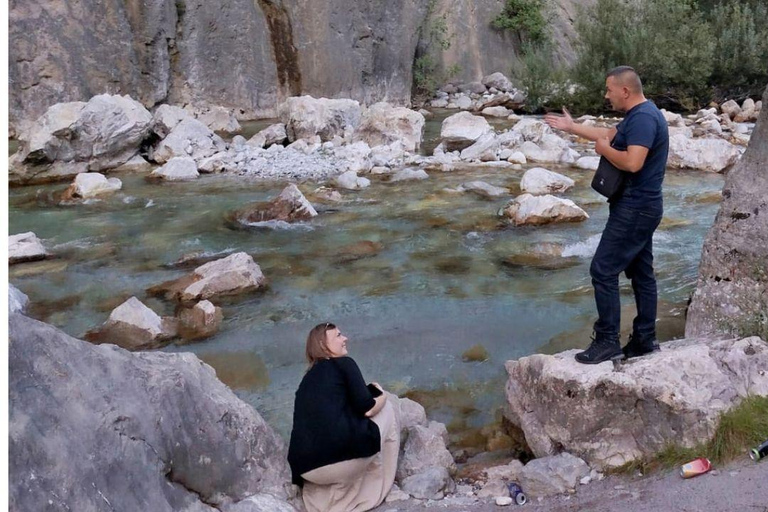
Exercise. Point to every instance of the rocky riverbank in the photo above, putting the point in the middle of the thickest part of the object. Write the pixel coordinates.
(180, 448)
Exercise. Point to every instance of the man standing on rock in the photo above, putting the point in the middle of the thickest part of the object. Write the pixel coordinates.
(638, 145)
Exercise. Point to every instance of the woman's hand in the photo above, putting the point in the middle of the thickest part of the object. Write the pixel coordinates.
(380, 401)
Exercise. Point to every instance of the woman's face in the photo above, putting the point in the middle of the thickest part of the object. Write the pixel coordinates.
(336, 343)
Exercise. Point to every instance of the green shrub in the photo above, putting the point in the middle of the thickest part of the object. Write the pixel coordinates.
(525, 17)
(668, 42)
(545, 84)
(741, 47)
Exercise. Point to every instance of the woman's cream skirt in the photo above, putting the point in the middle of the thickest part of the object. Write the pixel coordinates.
(358, 484)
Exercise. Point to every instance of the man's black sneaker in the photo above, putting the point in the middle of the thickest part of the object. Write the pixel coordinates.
(600, 350)
(638, 346)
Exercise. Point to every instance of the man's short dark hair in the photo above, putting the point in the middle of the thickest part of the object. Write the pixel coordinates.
(627, 76)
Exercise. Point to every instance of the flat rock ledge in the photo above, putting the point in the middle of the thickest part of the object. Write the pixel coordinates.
(609, 417)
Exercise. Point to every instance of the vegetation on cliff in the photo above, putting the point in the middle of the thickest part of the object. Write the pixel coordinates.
(688, 53)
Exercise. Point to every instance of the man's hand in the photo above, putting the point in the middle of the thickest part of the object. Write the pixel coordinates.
(561, 122)
(601, 145)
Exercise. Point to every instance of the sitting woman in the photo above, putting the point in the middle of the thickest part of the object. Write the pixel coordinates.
(344, 442)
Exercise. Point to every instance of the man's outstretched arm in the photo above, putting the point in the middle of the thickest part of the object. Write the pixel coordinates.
(565, 123)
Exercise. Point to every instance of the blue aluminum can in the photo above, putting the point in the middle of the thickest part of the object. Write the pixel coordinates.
(516, 493)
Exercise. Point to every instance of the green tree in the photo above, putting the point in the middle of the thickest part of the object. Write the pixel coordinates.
(526, 18)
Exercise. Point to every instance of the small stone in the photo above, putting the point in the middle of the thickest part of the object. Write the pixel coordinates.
(618, 487)
(585, 480)
(503, 501)
(714, 472)
(733, 473)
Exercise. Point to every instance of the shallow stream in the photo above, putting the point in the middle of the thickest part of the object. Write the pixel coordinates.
(440, 273)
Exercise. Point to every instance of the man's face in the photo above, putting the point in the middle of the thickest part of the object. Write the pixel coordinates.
(615, 93)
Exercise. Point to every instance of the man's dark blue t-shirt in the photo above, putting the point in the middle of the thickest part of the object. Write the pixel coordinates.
(644, 125)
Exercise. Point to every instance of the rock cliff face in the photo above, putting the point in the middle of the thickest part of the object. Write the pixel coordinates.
(731, 297)
(242, 54)
(476, 49)
(99, 428)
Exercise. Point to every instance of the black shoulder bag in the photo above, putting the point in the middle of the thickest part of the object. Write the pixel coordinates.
(608, 179)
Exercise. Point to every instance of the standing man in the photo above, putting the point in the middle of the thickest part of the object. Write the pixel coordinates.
(638, 145)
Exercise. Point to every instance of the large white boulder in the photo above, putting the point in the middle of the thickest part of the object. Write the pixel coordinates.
(92, 184)
(704, 154)
(498, 81)
(610, 417)
(104, 133)
(551, 149)
(539, 181)
(531, 129)
(462, 130)
(166, 117)
(219, 119)
(237, 273)
(25, 247)
(528, 209)
(731, 108)
(305, 116)
(189, 138)
(383, 124)
(177, 169)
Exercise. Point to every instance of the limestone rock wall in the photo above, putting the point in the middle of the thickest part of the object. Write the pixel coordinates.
(476, 49)
(242, 54)
(731, 297)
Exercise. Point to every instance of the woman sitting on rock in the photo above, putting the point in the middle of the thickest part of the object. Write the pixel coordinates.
(345, 441)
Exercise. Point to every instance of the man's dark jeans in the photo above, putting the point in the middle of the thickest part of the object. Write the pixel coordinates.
(626, 246)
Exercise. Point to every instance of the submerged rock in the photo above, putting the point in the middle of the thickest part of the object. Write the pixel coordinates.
(235, 274)
(25, 247)
(528, 209)
(483, 189)
(289, 206)
(177, 437)
(609, 417)
(200, 321)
